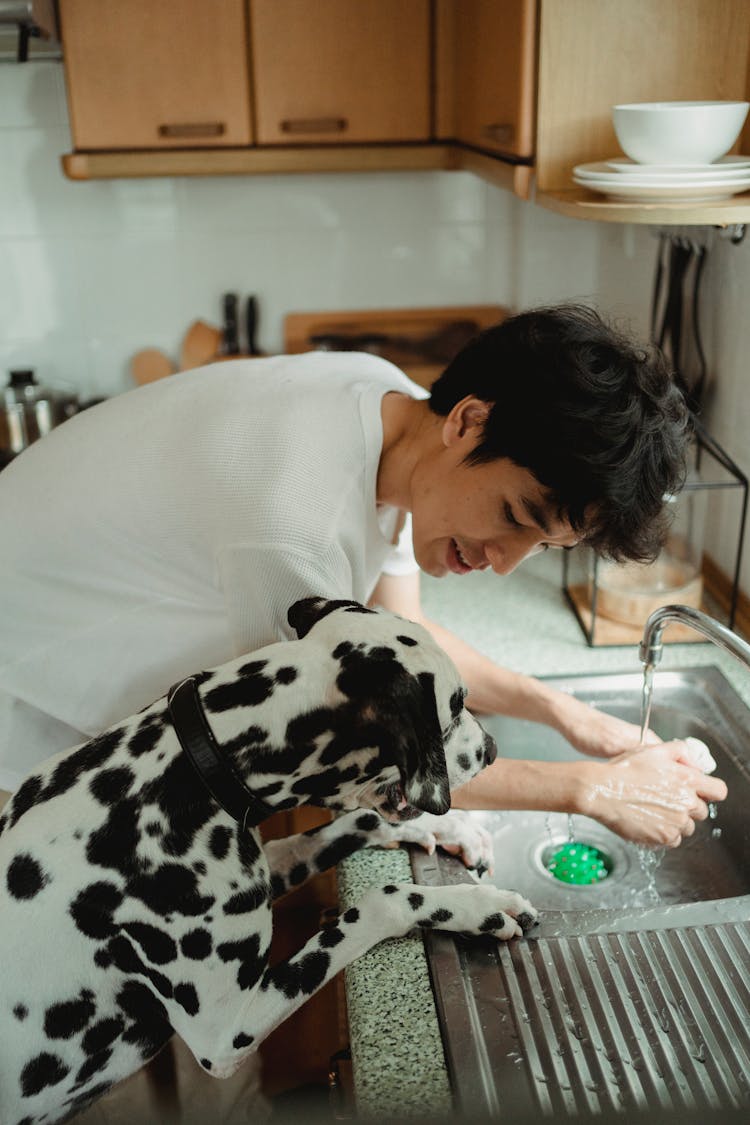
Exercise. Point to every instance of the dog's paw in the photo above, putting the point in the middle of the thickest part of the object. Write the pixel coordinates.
(456, 833)
(459, 834)
(484, 909)
(519, 908)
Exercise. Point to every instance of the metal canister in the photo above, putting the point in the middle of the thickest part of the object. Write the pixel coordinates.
(29, 411)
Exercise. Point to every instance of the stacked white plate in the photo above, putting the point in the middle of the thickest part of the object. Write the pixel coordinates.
(623, 179)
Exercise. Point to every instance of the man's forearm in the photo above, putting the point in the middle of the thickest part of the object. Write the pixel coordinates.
(497, 690)
(512, 784)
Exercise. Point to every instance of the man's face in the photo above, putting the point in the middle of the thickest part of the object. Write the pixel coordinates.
(474, 517)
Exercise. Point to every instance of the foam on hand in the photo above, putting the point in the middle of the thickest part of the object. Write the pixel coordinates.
(700, 755)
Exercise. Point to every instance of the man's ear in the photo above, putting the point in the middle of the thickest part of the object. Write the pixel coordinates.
(420, 756)
(302, 615)
(467, 418)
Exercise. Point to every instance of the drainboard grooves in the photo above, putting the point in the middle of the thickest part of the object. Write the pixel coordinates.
(674, 1042)
(723, 986)
(644, 1062)
(511, 961)
(542, 1023)
(654, 1050)
(580, 1039)
(686, 1019)
(633, 1021)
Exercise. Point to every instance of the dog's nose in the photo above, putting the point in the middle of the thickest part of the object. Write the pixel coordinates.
(490, 749)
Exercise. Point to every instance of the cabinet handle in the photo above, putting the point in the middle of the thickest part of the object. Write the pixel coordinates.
(500, 133)
(193, 129)
(314, 125)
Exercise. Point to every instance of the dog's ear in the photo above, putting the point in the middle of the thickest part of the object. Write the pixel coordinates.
(420, 755)
(305, 613)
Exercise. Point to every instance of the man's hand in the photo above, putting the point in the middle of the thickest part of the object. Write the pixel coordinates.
(594, 732)
(650, 796)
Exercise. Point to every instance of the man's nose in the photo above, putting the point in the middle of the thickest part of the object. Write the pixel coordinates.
(505, 557)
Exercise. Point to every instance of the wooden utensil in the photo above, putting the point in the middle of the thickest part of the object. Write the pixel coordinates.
(202, 344)
(150, 364)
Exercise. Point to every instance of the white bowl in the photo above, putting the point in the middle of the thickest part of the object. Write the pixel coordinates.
(678, 132)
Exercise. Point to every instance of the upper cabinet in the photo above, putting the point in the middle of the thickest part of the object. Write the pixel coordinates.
(517, 91)
(335, 71)
(150, 75)
(487, 74)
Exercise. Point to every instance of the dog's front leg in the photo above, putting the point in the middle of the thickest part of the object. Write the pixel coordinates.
(294, 859)
(383, 913)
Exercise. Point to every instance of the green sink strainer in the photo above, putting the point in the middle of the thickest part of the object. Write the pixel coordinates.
(579, 863)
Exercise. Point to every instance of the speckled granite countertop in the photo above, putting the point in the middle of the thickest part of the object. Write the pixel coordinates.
(523, 622)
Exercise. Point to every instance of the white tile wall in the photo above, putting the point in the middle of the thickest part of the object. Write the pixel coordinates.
(91, 272)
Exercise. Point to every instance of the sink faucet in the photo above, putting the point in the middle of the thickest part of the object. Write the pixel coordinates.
(650, 650)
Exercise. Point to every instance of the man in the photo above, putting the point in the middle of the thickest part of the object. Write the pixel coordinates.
(169, 529)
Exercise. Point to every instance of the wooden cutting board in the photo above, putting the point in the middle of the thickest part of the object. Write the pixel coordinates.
(420, 341)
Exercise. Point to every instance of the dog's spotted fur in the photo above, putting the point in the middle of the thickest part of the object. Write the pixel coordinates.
(132, 906)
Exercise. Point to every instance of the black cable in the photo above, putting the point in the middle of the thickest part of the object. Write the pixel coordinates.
(700, 382)
(657, 287)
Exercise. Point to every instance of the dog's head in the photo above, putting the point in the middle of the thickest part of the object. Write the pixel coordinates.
(407, 703)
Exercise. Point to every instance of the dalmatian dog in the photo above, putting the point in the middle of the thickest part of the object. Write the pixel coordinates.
(136, 893)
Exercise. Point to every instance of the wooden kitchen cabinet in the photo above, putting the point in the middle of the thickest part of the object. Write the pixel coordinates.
(146, 75)
(490, 66)
(335, 71)
(515, 91)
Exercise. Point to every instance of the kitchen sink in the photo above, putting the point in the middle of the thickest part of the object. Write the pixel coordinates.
(634, 991)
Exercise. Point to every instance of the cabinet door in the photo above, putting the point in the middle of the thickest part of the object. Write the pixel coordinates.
(341, 70)
(495, 74)
(166, 74)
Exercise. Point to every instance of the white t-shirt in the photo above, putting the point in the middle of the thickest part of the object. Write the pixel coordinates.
(169, 529)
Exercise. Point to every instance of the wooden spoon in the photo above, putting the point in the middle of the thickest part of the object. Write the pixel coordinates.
(150, 364)
(202, 344)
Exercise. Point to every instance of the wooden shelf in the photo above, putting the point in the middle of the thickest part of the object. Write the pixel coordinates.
(257, 161)
(581, 204)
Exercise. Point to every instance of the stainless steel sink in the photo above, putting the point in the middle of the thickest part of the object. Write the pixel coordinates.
(634, 992)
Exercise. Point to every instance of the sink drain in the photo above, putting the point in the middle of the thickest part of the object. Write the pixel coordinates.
(578, 863)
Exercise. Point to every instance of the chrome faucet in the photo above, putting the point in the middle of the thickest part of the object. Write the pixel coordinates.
(650, 649)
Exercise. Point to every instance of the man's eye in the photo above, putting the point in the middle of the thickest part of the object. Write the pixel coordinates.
(508, 511)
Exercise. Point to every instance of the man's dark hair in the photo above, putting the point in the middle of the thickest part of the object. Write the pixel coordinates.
(596, 418)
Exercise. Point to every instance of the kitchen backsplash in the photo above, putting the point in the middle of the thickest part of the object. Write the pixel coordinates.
(91, 272)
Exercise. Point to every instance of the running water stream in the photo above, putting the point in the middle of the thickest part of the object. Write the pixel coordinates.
(649, 858)
(647, 696)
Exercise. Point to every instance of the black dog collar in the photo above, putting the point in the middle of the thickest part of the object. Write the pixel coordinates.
(214, 769)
